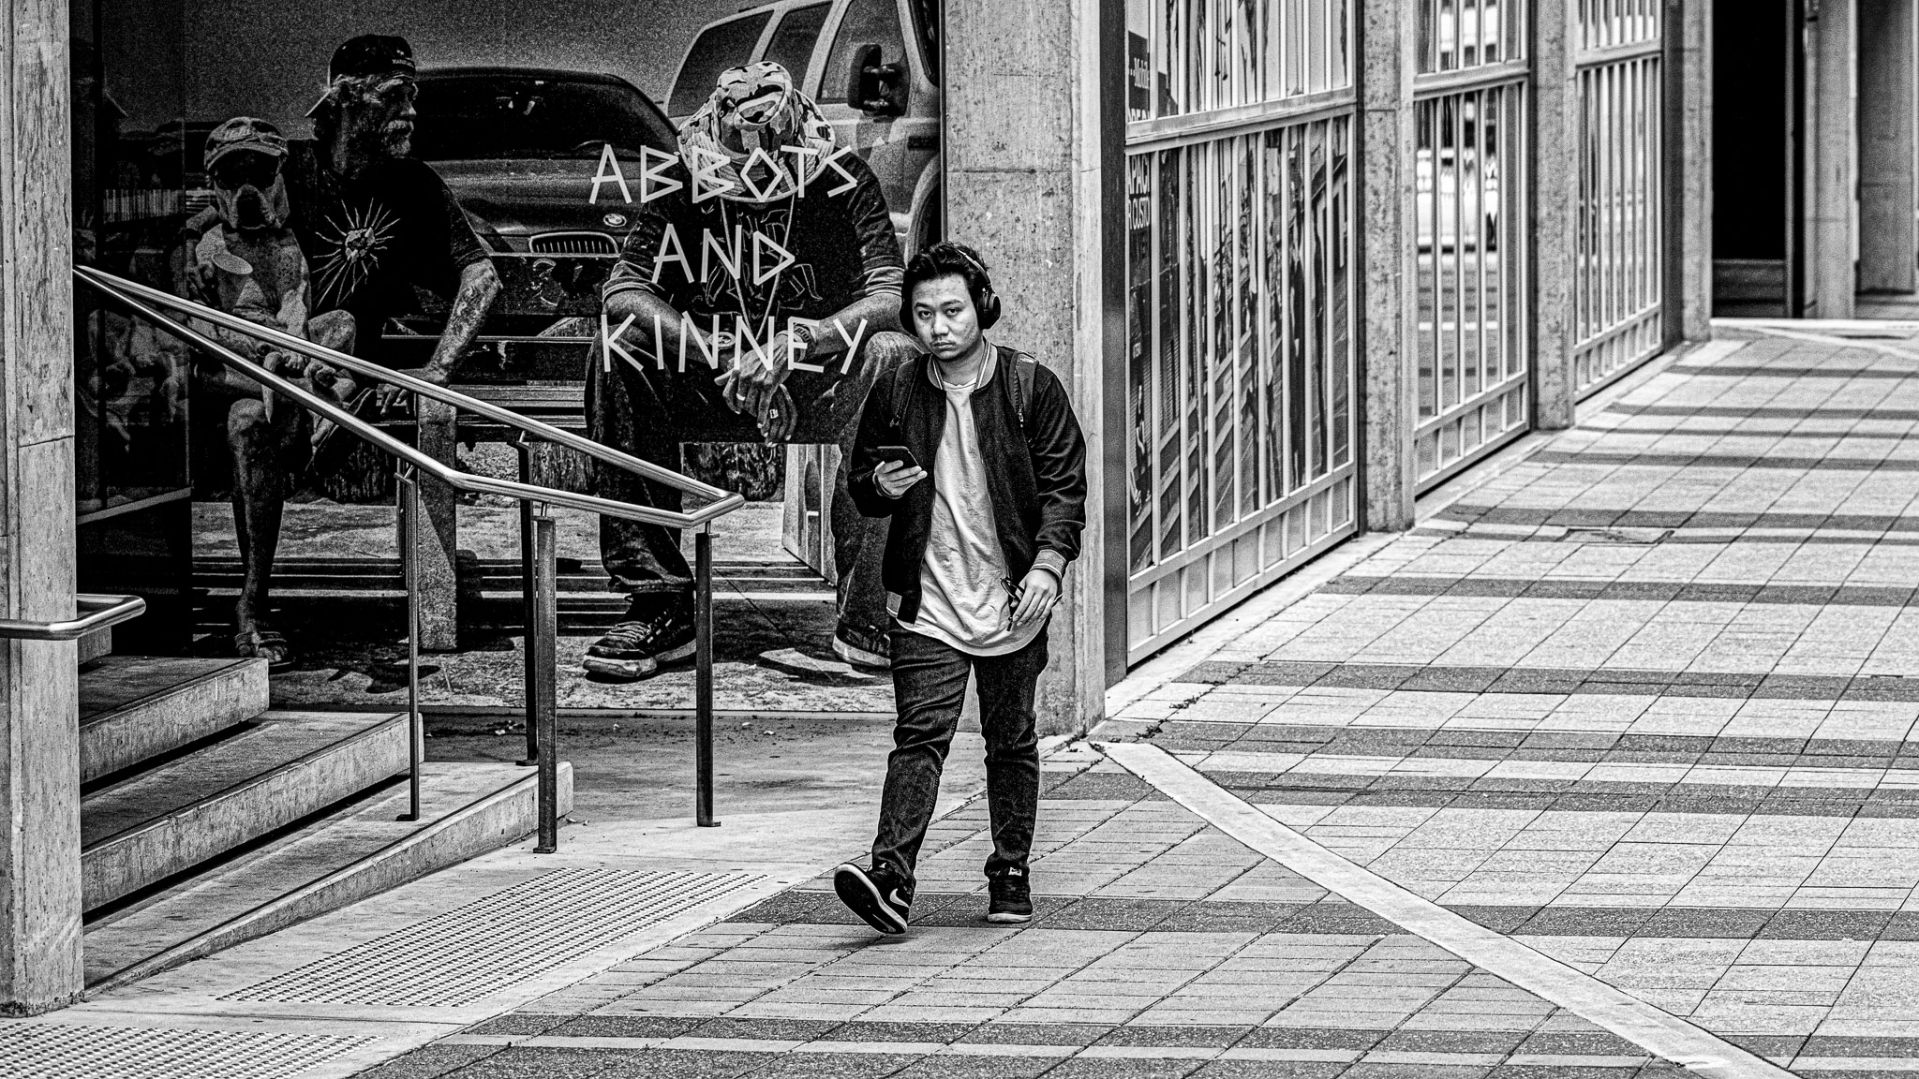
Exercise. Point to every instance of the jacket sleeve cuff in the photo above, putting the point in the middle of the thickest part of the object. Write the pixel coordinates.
(1053, 562)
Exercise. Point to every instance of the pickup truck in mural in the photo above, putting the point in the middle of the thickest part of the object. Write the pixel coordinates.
(872, 68)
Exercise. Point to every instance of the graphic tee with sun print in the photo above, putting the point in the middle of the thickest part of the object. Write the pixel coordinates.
(369, 241)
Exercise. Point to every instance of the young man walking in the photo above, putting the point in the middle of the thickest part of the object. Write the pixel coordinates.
(974, 454)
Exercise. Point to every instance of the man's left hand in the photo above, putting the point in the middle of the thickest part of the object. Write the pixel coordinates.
(391, 394)
(750, 386)
(1038, 593)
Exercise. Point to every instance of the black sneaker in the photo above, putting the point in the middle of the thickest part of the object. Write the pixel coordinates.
(1011, 897)
(876, 896)
(863, 648)
(635, 648)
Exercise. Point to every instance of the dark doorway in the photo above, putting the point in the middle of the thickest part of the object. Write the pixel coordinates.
(1754, 152)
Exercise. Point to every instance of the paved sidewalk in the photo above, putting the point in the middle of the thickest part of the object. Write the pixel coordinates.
(1635, 712)
(1606, 770)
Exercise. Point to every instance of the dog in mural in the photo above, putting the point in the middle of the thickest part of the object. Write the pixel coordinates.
(241, 257)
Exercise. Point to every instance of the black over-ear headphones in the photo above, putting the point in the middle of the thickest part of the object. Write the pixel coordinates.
(985, 301)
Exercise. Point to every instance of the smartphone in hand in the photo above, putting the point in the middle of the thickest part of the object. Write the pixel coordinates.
(899, 454)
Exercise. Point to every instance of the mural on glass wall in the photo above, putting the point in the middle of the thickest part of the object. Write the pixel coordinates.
(495, 193)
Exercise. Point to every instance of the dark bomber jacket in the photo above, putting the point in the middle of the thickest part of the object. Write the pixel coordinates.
(1038, 489)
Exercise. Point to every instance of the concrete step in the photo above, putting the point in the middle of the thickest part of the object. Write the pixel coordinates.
(136, 707)
(364, 849)
(281, 768)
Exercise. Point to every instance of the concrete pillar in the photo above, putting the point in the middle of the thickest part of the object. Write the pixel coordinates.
(1555, 202)
(1031, 181)
(1689, 162)
(1830, 165)
(1888, 144)
(40, 965)
(1388, 38)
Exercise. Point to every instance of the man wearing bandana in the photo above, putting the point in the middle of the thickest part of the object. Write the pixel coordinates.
(781, 240)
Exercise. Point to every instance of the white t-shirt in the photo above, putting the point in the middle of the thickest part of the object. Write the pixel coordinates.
(964, 601)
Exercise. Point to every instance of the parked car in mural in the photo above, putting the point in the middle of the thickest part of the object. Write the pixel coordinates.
(519, 147)
(870, 65)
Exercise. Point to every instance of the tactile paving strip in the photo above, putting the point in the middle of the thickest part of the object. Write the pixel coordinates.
(496, 942)
(68, 1051)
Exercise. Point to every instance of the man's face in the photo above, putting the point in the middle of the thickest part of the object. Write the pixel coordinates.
(382, 115)
(944, 317)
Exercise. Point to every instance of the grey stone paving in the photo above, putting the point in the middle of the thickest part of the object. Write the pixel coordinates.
(1645, 703)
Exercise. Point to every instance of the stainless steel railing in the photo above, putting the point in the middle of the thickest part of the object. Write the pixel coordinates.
(94, 612)
(540, 581)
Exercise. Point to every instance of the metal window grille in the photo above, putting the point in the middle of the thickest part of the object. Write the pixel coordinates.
(1240, 381)
(1458, 35)
(1471, 211)
(1619, 242)
(1239, 301)
(1187, 57)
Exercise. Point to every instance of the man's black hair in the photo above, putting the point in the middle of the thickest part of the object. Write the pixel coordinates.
(950, 259)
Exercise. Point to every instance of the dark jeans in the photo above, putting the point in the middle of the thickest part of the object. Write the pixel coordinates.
(649, 412)
(929, 685)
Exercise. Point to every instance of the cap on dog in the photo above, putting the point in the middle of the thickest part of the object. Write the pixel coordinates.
(244, 133)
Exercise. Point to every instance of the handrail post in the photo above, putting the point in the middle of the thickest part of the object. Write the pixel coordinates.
(703, 676)
(407, 491)
(541, 641)
(528, 615)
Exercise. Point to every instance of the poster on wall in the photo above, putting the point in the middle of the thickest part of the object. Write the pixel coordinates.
(579, 201)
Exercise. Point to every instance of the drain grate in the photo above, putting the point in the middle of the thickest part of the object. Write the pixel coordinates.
(69, 1051)
(498, 941)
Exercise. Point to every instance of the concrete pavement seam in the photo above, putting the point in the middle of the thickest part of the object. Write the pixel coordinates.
(1662, 1034)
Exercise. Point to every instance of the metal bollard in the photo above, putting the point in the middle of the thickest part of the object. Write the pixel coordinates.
(703, 677)
(528, 585)
(407, 488)
(542, 637)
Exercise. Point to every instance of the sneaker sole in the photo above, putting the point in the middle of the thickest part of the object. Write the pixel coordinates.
(1006, 918)
(621, 670)
(856, 890)
(632, 670)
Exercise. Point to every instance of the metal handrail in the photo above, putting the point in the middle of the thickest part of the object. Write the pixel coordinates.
(104, 611)
(539, 541)
(725, 502)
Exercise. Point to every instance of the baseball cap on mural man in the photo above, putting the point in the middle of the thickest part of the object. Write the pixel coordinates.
(368, 54)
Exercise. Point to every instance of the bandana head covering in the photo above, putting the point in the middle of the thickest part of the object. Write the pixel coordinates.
(784, 139)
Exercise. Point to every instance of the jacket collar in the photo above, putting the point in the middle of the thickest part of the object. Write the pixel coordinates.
(986, 370)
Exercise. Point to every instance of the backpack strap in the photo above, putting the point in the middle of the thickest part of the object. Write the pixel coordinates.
(903, 377)
(1025, 370)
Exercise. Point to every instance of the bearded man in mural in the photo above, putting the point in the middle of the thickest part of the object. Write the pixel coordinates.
(371, 223)
(756, 299)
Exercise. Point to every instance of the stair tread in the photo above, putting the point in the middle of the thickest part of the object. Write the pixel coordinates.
(355, 838)
(118, 682)
(272, 742)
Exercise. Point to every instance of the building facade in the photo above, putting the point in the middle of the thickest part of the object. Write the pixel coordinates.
(1299, 261)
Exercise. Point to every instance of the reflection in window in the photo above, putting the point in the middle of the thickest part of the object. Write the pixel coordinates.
(1471, 271)
(793, 39)
(867, 22)
(1189, 56)
(723, 45)
(1241, 365)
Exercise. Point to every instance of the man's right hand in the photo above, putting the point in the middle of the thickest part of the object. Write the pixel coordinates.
(895, 478)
